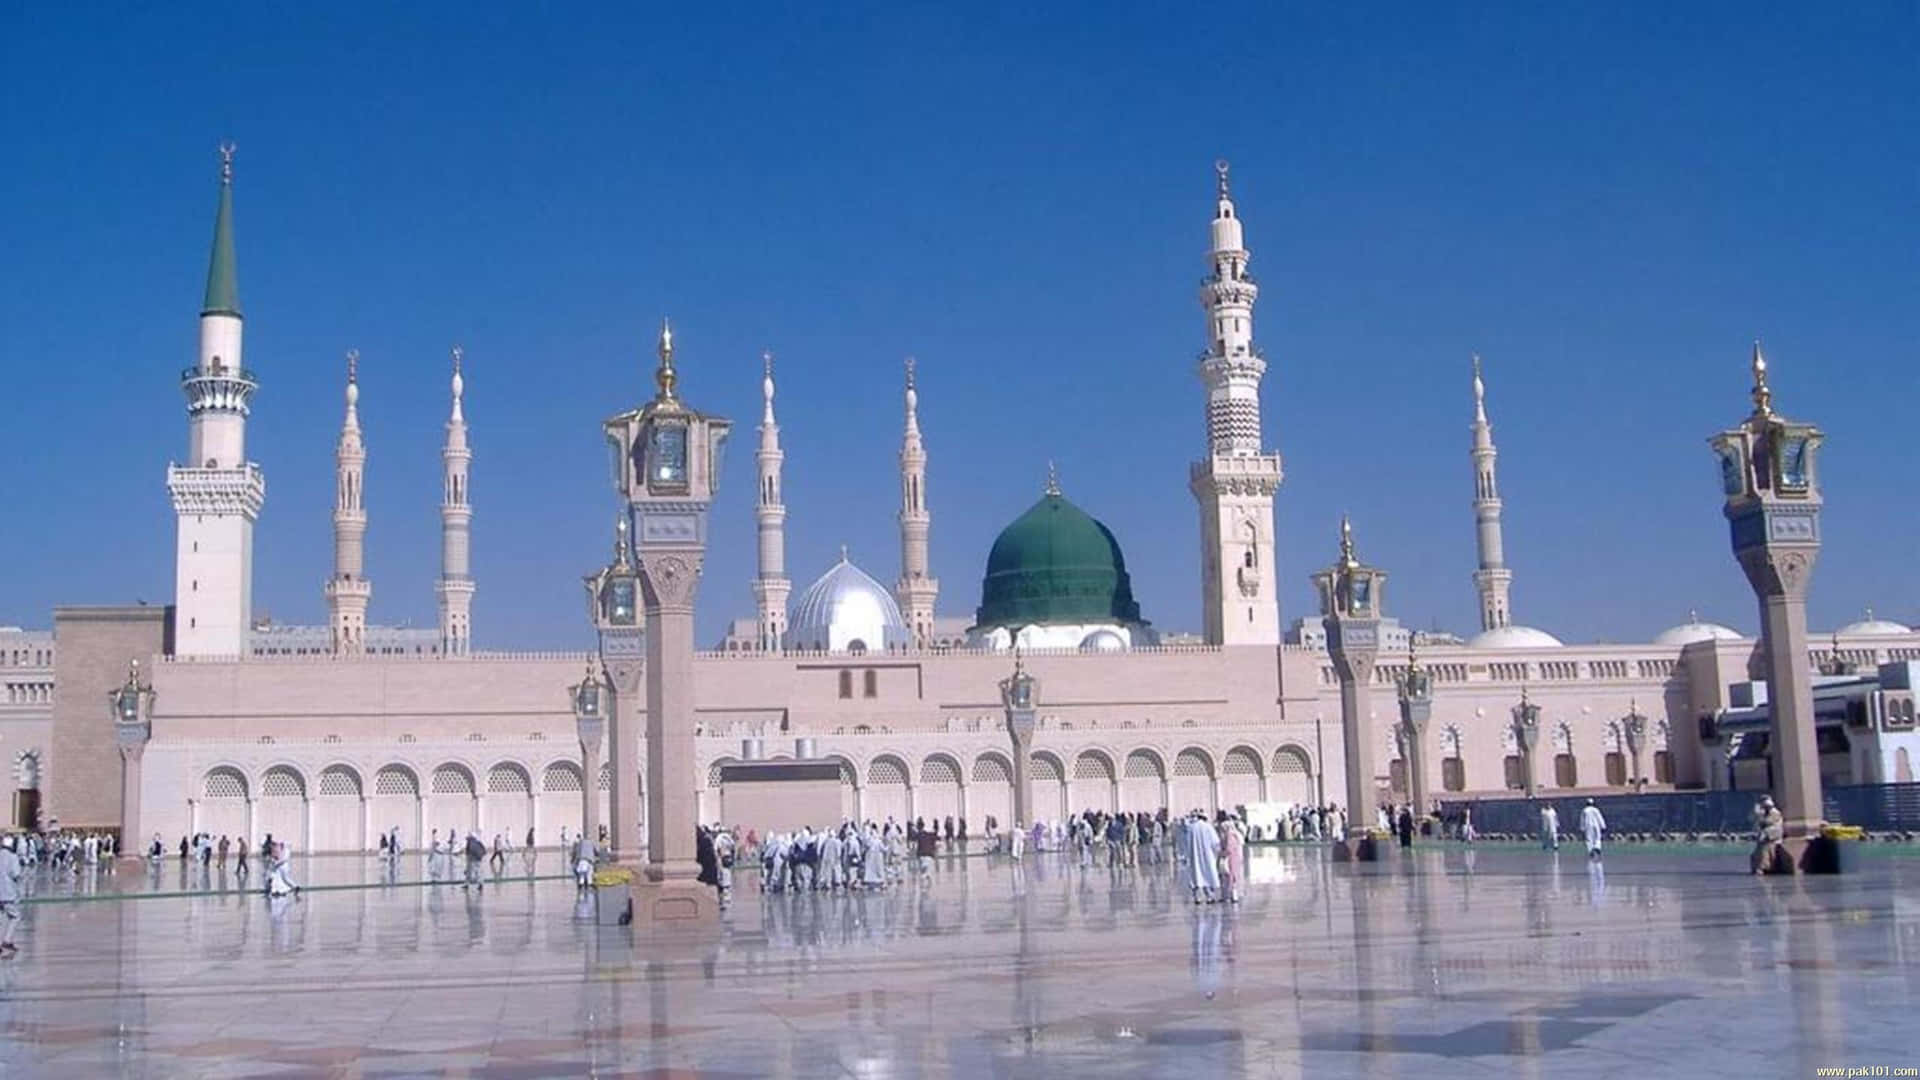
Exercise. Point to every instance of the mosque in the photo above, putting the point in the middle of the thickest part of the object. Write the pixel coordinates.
(328, 736)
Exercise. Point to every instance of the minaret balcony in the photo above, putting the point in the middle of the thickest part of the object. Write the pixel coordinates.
(222, 388)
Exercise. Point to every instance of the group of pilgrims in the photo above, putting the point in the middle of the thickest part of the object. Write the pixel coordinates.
(1209, 853)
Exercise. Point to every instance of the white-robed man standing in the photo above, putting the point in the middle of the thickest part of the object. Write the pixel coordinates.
(1202, 844)
(10, 873)
(1017, 842)
(1594, 826)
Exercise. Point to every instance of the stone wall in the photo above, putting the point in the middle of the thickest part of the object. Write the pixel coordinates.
(95, 646)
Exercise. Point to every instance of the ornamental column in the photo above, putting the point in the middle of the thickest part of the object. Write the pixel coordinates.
(588, 697)
(131, 706)
(1350, 613)
(1772, 492)
(668, 472)
(1416, 710)
(1526, 733)
(1019, 694)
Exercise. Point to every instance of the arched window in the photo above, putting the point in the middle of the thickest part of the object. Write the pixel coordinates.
(396, 780)
(870, 683)
(846, 684)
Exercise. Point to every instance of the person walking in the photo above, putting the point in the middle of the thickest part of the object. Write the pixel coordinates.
(1594, 826)
(925, 844)
(1549, 827)
(1405, 827)
(1233, 859)
(476, 851)
(10, 874)
(1769, 829)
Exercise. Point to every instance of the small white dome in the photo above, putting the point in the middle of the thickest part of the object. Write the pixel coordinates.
(1103, 641)
(1871, 626)
(1694, 630)
(1513, 637)
(846, 611)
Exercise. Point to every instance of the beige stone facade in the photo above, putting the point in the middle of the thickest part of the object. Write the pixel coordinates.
(329, 752)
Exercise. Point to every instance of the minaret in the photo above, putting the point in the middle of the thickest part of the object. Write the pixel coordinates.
(770, 586)
(917, 589)
(1236, 482)
(454, 590)
(349, 590)
(217, 493)
(1493, 578)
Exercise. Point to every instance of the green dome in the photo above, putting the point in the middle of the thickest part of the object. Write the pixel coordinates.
(1056, 565)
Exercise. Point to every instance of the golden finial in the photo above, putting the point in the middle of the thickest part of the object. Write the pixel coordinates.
(843, 553)
(458, 353)
(766, 363)
(1053, 479)
(353, 365)
(1346, 542)
(226, 161)
(620, 541)
(1413, 652)
(910, 363)
(1220, 169)
(1762, 393)
(665, 377)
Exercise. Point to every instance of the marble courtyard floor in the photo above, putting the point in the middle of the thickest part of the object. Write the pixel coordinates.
(1502, 961)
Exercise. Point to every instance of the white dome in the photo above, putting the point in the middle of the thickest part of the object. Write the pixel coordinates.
(1103, 641)
(1513, 637)
(846, 611)
(1871, 626)
(1694, 630)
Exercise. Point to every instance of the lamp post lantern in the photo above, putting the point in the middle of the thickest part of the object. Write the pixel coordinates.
(1020, 696)
(131, 708)
(1526, 733)
(1771, 487)
(666, 462)
(1350, 605)
(1416, 709)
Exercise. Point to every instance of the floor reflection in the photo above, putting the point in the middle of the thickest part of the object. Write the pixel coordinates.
(1439, 962)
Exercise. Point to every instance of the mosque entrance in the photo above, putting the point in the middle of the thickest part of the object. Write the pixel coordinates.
(26, 808)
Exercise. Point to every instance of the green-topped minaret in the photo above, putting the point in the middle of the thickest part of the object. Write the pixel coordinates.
(223, 277)
(217, 493)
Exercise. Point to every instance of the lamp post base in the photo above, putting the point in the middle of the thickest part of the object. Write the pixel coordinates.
(674, 903)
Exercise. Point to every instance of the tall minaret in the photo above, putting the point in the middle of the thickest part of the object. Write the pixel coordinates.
(1493, 578)
(218, 493)
(1236, 482)
(454, 590)
(917, 589)
(770, 586)
(349, 590)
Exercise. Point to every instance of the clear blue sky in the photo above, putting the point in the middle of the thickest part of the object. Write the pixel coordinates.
(1607, 202)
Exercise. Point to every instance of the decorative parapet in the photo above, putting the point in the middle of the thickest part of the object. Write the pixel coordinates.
(239, 490)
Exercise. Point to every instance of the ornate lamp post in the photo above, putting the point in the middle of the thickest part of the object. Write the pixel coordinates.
(131, 707)
(1634, 727)
(1526, 732)
(613, 604)
(1020, 695)
(1416, 709)
(667, 469)
(589, 699)
(1772, 493)
(1350, 605)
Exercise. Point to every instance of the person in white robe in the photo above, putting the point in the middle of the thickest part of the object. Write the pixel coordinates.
(280, 872)
(582, 862)
(873, 860)
(832, 851)
(1017, 842)
(1203, 859)
(1594, 826)
(1549, 827)
(723, 865)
